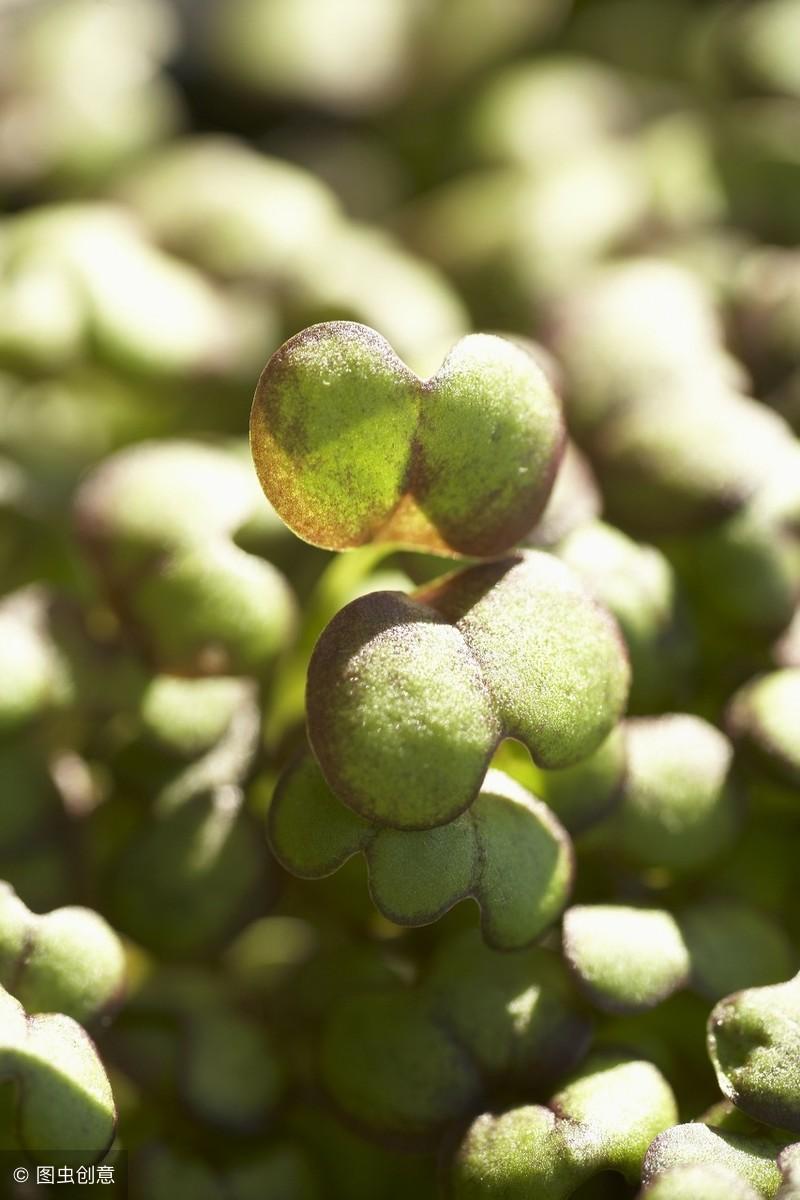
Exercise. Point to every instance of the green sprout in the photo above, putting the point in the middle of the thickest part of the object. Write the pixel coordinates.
(352, 447)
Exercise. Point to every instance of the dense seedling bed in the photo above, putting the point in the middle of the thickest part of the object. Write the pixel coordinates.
(405, 802)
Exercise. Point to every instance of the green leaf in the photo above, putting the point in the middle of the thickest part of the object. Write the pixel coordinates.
(699, 1181)
(158, 522)
(680, 802)
(733, 945)
(603, 1119)
(764, 716)
(64, 1100)
(387, 1064)
(751, 1157)
(350, 446)
(637, 585)
(754, 1043)
(68, 961)
(399, 716)
(625, 958)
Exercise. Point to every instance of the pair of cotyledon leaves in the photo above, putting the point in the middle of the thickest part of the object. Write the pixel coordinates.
(352, 447)
(506, 837)
(409, 697)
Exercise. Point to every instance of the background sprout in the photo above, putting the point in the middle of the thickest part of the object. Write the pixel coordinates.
(574, 501)
(32, 677)
(535, 112)
(657, 483)
(752, 558)
(418, 692)
(160, 1173)
(182, 1033)
(187, 717)
(150, 315)
(753, 1043)
(351, 447)
(637, 585)
(63, 1093)
(403, 1063)
(587, 793)
(699, 1182)
(394, 1069)
(680, 803)
(763, 717)
(513, 238)
(603, 1119)
(611, 339)
(198, 846)
(752, 45)
(336, 59)
(788, 1163)
(751, 1154)
(226, 208)
(67, 118)
(627, 959)
(416, 876)
(352, 1167)
(517, 1013)
(158, 522)
(302, 52)
(68, 961)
